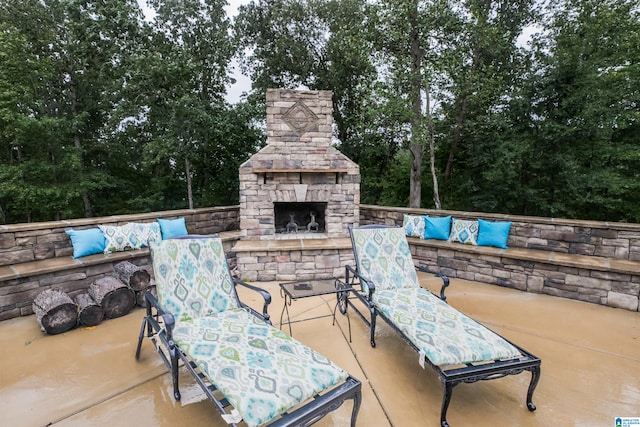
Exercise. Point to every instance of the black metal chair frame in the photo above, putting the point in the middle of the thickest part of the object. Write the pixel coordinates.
(158, 324)
(449, 376)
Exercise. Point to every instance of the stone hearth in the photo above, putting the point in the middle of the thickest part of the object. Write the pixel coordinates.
(298, 187)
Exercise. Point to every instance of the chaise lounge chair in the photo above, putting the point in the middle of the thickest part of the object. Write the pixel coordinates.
(250, 370)
(457, 347)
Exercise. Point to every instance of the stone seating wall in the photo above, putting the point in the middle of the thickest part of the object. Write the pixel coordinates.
(592, 261)
(37, 256)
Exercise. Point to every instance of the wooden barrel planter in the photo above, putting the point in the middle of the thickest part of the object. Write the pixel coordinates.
(114, 297)
(55, 311)
(89, 312)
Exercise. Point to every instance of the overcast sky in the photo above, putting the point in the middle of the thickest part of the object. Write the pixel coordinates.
(243, 83)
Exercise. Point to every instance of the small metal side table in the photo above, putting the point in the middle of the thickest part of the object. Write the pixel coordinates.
(298, 289)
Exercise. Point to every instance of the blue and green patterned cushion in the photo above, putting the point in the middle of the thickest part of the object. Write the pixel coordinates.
(146, 232)
(119, 238)
(383, 256)
(261, 370)
(413, 225)
(445, 335)
(464, 231)
(192, 277)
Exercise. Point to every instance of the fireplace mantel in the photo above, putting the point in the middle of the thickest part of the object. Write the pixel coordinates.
(298, 170)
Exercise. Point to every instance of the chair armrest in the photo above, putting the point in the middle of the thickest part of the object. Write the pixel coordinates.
(445, 280)
(168, 319)
(265, 295)
(350, 271)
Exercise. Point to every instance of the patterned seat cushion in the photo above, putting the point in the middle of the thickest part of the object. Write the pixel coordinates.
(383, 256)
(445, 335)
(261, 370)
(192, 277)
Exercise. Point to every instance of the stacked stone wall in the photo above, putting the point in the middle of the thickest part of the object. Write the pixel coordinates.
(591, 261)
(37, 256)
(592, 238)
(295, 264)
(27, 242)
(595, 262)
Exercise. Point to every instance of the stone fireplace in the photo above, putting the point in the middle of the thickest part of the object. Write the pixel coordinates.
(298, 167)
(298, 188)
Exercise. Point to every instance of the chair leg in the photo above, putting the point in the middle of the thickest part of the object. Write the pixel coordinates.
(373, 326)
(357, 399)
(140, 337)
(535, 377)
(174, 371)
(448, 392)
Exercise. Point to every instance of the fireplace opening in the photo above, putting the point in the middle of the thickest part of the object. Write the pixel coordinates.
(299, 217)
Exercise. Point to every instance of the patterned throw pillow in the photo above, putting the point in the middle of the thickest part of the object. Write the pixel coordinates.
(413, 225)
(119, 238)
(146, 232)
(464, 231)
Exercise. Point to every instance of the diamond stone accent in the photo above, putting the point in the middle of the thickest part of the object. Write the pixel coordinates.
(300, 118)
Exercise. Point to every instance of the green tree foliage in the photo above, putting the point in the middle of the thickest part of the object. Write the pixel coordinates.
(481, 67)
(322, 45)
(55, 143)
(585, 154)
(104, 112)
(191, 48)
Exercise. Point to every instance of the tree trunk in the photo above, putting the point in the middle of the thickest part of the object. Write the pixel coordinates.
(189, 189)
(137, 278)
(115, 298)
(455, 143)
(55, 311)
(432, 150)
(89, 312)
(416, 146)
(415, 189)
(88, 210)
(466, 93)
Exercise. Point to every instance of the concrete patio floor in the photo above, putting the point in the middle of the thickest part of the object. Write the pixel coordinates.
(89, 377)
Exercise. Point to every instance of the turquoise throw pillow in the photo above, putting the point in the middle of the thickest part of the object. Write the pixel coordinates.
(172, 228)
(493, 233)
(437, 227)
(86, 242)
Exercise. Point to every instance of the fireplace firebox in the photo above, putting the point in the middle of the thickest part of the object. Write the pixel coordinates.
(299, 217)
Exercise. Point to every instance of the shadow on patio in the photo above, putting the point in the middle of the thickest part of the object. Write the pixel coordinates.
(590, 368)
